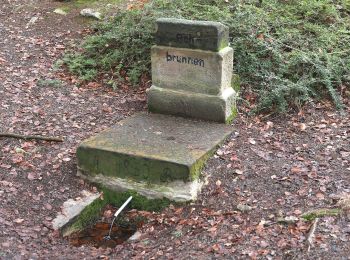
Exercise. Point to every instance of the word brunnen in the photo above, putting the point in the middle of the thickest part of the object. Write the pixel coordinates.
(182, 59)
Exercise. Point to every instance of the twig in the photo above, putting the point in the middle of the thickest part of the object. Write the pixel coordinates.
(36, 137)
(310, 236)
(64, 176)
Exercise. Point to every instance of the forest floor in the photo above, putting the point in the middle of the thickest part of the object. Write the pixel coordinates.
(268, 173)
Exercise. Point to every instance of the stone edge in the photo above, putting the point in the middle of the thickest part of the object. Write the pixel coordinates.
(64, 221)
(221, 29)
(224, 105)
(177, 191)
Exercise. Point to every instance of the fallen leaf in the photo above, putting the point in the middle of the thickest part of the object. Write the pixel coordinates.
(48, 206)
(19, 220)
(252, 141)
(320, 196)
(2, 61)
(31, 176)
(302, 126)
(239, 172)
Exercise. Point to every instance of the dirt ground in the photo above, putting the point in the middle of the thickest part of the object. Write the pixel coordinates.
(269, 172)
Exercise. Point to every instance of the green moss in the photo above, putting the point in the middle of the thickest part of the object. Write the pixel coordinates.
(92, 212)
(319, 213)
(136, 167)
(196, 169)
(236, 82)
(55, 83)
(138, 201)
(232, 116)
(86, 218)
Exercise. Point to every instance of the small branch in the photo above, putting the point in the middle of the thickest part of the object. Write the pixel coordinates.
(35, 137)
(310, 236)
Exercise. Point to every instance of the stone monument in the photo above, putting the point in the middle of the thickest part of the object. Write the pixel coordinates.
(161, 154)
(192, 70)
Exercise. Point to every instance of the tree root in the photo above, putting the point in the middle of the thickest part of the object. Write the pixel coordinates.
(33, 137)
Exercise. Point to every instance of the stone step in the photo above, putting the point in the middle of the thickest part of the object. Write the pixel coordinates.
(155, 155)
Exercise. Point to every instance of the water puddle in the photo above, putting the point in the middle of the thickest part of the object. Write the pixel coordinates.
(96, 235)
(108, 234)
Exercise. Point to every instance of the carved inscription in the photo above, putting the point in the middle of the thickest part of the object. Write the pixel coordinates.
(186, 38)
(202, 35)
(184, 60)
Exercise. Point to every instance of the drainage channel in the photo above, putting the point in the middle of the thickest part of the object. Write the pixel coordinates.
(107, 234)
(95, 235)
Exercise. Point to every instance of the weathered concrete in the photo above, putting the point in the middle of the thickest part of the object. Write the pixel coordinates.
(71, 209)
(195, 71)
(155, 155)
(220, 108)
(204, 35)
(177, 190)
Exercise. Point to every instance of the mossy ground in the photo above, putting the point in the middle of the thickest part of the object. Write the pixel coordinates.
(319, 213)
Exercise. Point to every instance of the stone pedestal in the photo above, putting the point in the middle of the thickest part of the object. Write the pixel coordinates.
(192, 71)
(162, 155)
(156, 155)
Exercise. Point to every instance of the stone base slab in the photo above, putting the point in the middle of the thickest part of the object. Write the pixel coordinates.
(153, 154)
(178, 191)
(221, 108)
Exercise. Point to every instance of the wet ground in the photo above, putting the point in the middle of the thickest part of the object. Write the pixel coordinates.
(98, 236)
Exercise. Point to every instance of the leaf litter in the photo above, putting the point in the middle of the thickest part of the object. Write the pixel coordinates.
(281, 168)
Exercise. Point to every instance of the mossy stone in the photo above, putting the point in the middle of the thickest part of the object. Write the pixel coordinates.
(181, 33)
(151, 151)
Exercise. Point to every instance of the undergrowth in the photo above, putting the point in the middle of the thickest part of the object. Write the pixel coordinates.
(286, 52)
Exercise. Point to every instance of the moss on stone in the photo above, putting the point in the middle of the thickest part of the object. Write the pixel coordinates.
(236, 82)
(232, 116)
(86, 218)
(135, 167)
(319, 213)
(92, 212)
(196, 169)
(138, 201)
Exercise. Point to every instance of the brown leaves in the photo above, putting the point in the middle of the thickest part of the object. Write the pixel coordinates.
(18, 220)
(2, 61)
(136, 4)
(33, 176)
(297, 170)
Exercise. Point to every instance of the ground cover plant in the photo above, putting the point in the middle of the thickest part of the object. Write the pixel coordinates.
(286, 52)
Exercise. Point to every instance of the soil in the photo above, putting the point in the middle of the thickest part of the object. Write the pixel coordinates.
(97, 236)
(271, 168)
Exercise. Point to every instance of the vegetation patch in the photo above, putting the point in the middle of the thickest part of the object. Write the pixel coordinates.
(319, 213)
(54, 83)
(286, 52)
(138, 201)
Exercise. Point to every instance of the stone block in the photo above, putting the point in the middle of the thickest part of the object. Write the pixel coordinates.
(219, 108)
(195, 71)
(155, 155)
(71, 210)
(204, 35)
